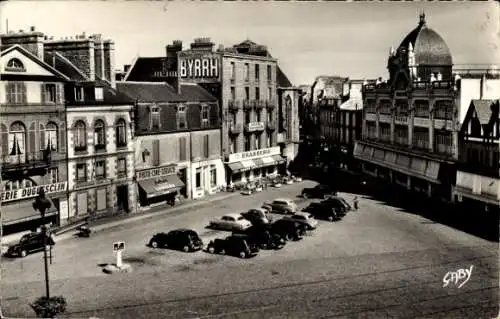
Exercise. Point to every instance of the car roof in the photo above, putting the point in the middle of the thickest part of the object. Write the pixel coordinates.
(282, 199)
(302, 214)
(235, 216)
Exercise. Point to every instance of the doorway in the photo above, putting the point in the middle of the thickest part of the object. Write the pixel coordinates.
(122, 198)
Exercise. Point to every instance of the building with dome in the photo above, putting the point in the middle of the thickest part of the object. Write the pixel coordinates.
(411, 120)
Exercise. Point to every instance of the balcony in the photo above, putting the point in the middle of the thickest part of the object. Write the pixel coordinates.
(401, 119)
(21, 162)
(235, 129)
(254, 127)
(260, 104)
(247, 105)
(100, 148)
(271, 126)
(234, 105)
(271, 104)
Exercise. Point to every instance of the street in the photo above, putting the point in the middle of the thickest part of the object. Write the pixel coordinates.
(377, 262)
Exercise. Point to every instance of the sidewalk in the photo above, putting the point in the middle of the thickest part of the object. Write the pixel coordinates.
(113, 221)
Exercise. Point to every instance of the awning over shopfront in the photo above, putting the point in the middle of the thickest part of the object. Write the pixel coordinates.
(23, 211)
(404, 163)
(167, 185)
(242, 166)
(264, 161)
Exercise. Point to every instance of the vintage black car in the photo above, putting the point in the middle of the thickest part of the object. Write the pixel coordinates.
(29, 243)
(257, 216)
(339, 203)
(233, 245)
(318, 191)
(186, 240)
(263, 237)
(288, 229)
(323, 211)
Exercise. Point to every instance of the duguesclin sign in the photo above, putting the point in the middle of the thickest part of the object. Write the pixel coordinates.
(155, 172)
(23, 193)
(199, 67)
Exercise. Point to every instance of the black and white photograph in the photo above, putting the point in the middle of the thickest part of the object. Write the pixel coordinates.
(249, 159)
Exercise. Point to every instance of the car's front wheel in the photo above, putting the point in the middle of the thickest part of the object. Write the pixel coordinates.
(185, 249)
(330, 218)
(154, 244)
(211, 249)
(243, 254)
(24, 253)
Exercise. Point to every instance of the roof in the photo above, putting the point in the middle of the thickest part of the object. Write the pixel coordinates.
(281, 78)
(64, 66)
(163, 92)
(484, 110)
(428, 46)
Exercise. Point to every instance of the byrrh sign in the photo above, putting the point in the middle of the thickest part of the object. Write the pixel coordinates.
(199, 67)
(23, 193)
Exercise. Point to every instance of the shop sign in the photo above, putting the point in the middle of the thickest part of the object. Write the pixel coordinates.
(23, 193)
(255, 126)
(254, 154)
(156, 172)
(199, 67)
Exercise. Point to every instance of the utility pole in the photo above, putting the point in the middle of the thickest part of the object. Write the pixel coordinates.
(1, 229)
(42, 204)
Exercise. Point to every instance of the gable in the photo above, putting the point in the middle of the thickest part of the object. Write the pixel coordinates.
(30, 66)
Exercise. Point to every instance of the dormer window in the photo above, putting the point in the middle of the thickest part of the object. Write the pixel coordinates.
(181, 117)
(15, 65)
(205, 115)
(99, 94)
(78, 94)
(154, 117)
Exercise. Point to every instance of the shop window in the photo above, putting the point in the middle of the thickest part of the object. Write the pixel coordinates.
(213, 176)
(198, 178)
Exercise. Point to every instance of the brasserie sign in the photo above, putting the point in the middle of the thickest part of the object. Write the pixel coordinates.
(156, 172)
(23, 193)
(254, 154)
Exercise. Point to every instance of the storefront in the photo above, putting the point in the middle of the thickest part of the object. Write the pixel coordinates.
(247, 166)
(18, 211)
(158, 186)
(206, 177)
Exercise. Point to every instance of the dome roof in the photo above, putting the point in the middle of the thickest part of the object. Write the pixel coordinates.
(428, 46)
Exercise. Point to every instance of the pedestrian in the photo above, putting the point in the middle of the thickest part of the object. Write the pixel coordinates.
(355, 202)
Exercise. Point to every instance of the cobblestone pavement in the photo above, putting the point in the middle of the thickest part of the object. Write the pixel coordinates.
(377, 262)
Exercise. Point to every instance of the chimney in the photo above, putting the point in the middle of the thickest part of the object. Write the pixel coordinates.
(482, 89)
(32, 41)
(202, 44)
(32, 29)
(81, 52)
(99, 58)
(173, 48)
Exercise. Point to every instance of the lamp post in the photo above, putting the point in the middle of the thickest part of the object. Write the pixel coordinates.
(42, 204)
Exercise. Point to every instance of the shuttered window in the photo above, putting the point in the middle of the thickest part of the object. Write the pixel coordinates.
(156, 152)
(182, 149)
(81, 204)
(101, 199)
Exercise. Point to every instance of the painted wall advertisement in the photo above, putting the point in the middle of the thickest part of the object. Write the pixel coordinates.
(199, 66)
(23, 193)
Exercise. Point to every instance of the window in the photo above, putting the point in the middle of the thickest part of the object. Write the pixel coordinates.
(182, 149)
(156, 152)
(401, 135)
(270, 93)
(269, 116)
(385, 132)
(269, 75)
(16, 92)
(233, 93)
(205, 112)
(258, 144)
(15, 65)
(80, 136)
(421, 138)
(247, 71)
(257, 93)
(122, 166)
(247, 93)
(100, 169)
(181, 117)
(213, 176)
(257, 72)
(232, 71)
(121, 133)
(54, 175)
(443, 142)
(81, 172)
(232, 145)
(50, 139)
(247, 117)
(421, 108)
(99, 94)
(385, 107)
(49, 93)
(17, 142)
(269, 140)
(198, 178)
(371, 106)
(206, 146)
(99, 135)
(154, 117)
(371, 130)
(78, 93)
(443, 110)
(247, 143)
(258, 114)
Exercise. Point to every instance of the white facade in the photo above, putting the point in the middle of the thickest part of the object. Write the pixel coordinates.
(206, 176)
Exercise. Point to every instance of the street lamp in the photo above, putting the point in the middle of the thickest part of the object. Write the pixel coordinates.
(42, 204)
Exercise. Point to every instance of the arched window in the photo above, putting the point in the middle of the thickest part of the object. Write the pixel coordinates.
(17, 143)
(121, 133)
(15, 64)
(51, 137)
(80, 136)
(99, 135)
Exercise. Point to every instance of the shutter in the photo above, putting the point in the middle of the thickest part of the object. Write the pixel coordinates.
(42, 137)
(42, 90)
(4, 140)
(101, 199)
(205, 144)
(156, 152)
(61, 130)
(32, 139)
(81, 204)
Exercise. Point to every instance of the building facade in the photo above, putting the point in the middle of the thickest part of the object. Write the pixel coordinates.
(478, 173)
(410, 122)
(289, 124)
(177, 139)
(33, 133)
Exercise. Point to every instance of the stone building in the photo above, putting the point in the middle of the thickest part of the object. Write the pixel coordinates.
(32, 132)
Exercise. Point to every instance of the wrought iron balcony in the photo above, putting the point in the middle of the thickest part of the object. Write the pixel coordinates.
(234, 105)
(40, 159)
(235, 128)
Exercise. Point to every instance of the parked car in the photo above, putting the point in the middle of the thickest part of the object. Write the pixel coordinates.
(230, 222)
(181, 239)
(263, 237)
(288, 229)
(323, 211)
(318, 191)
(304, 218)
(257, 216)
(281, 206)
(338, 202)
(29, 243)
(297, 178)
(247, 191)
(233, 245)
(288, 180)
(277, 183)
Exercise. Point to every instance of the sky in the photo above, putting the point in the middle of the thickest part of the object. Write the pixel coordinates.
(349, 39)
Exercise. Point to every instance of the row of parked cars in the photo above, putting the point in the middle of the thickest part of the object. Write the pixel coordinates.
(255, 229)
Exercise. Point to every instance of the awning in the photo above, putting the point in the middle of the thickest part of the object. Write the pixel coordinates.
(237, 167)
(169, 184)
(23, 211)
(264, 161)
